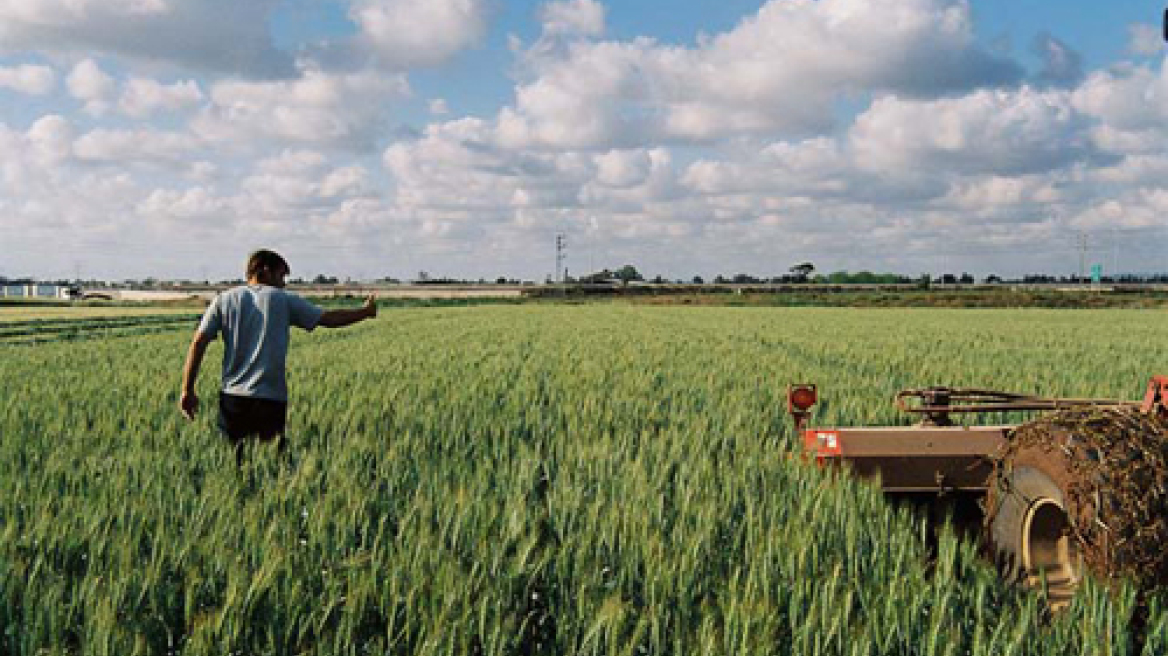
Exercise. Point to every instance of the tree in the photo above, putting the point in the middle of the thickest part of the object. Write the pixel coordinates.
(698, 280)
(628, 273)
(802, 271)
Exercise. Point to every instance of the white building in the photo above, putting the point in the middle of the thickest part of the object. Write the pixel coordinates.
(34, 290)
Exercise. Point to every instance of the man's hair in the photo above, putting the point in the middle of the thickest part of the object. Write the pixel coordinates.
(265, 259)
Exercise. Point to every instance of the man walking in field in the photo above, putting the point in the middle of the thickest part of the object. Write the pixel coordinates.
(254, 320)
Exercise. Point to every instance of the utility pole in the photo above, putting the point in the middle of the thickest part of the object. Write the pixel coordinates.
(561, 256)
(1082, 257)
(1114, 258)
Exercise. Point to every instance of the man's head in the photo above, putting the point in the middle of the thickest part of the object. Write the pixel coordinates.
(267, 268)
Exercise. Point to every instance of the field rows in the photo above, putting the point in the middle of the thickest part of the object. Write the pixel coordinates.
(40, 331)
(548, 480)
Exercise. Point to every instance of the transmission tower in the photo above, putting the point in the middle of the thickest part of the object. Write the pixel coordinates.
(561, 257)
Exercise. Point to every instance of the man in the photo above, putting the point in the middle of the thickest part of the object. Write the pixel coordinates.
(254, 320)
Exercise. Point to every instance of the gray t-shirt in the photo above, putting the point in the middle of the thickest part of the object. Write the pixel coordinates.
(254, 321)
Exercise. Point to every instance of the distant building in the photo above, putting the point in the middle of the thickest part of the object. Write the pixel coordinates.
(34, 290)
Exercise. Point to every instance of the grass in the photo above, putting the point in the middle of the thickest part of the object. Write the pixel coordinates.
(529, 479)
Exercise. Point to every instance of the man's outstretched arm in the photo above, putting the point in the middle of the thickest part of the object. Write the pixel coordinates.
(339, 318)
(189, 402)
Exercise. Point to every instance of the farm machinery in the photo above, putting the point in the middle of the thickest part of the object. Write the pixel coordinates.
(1081, 488)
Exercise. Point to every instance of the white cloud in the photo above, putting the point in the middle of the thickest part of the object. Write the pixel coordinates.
(721, 155)
(457, 165)
(142, 97)
(317, 108)
(125, 147)
(1062, 65)
(781, 70)
(63, 11)
(44, 188)
(91, 85)
(1126, 98)
(294, 163)
(573, 17)
(28, 79)
(203, 172)
(406, 34)
(51, 139)
(347, 181)
(196, 204)
(1145, 40)
(299, 184)
(619, 168)
(231, 37)
(999, 132)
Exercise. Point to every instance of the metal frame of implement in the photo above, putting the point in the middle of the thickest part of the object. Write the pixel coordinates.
(936, 456)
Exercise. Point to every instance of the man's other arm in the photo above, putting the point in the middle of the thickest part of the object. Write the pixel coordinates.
(340, 318)
(189, 402)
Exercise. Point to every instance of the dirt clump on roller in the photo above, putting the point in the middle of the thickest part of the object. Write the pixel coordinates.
(1109, 465)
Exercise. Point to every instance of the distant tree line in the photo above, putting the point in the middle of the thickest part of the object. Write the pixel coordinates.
(803, 273)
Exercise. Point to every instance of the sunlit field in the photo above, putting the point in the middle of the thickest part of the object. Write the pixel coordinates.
(527, 480)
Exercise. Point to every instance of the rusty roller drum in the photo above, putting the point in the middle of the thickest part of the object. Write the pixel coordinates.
(1082, 490)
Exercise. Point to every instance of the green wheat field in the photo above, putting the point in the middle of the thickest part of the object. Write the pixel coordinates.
(536, 479)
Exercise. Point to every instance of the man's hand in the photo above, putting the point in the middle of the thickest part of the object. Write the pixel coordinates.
(340, 317)
(189, 405)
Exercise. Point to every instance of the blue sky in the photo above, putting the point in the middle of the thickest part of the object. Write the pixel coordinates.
(368, 138)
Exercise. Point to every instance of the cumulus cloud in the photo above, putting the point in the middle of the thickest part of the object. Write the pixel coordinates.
(724, 153)
(1145, 40)
(28, 79)
(622, 168)
(1062, 66)
(573, 17)
(338, 109)
(458, 165)
(1129, 99)
(51, 139)
(345, 182)
(458, 181)
(126, 147)
(1002, 132)
(197, 204)
(91, 85)
(142, 97)
(299, 183)
(405, 34)
(781, 70)
(228, 37)
(45, 189)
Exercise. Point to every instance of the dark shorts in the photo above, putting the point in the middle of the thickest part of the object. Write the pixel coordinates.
(245, 416)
